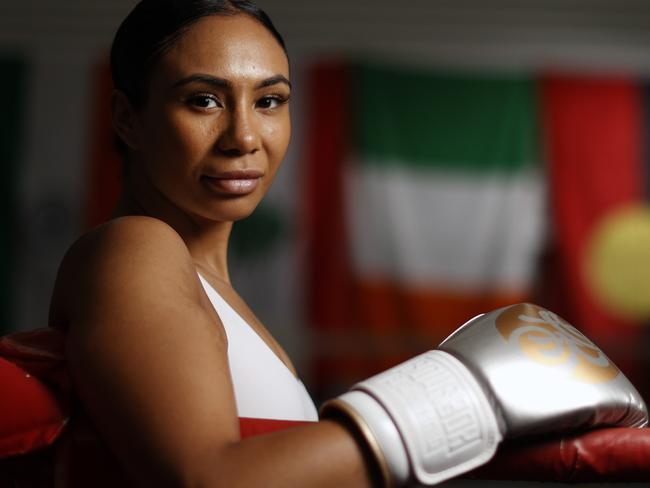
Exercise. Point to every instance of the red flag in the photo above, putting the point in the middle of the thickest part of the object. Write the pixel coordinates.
(593, 141)
(104, 168)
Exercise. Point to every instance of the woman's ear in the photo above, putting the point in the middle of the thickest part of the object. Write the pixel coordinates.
(124, 119)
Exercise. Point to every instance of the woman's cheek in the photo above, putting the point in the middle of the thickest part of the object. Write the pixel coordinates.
(186, 143)
(279, 135)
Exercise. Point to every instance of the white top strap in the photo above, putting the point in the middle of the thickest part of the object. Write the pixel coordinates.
(264, 386)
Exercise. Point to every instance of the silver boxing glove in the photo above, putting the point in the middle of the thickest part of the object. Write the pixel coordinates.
(520, 370)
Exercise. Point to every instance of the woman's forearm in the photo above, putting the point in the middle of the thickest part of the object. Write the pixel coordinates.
(323, 454)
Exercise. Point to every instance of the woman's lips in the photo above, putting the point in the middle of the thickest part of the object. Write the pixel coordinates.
(234, 183)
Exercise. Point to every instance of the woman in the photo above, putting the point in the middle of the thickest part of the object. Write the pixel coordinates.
(166, 358)
(164, 355)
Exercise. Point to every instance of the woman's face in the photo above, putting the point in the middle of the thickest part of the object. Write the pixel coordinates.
(216, 125)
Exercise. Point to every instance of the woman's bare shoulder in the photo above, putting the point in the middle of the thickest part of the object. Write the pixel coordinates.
(140, 253)
(144, 347)
(128, 235)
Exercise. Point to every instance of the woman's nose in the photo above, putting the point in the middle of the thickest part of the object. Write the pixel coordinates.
(240, 135)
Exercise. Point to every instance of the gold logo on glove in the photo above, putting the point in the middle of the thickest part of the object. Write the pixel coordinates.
(547, 339)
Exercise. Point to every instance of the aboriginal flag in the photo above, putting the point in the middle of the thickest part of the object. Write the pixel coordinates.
(596, 136)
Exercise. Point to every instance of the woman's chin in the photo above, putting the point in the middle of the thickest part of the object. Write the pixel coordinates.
(232, 211)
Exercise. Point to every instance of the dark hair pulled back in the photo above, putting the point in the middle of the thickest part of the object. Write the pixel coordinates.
(153, 26)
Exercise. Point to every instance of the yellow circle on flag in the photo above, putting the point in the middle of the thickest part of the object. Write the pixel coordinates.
(618, 262)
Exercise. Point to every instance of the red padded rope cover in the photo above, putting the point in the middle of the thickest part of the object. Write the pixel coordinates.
(31, 417)
(32, 413)
(615, 454)
(37, 411)
(40, 352)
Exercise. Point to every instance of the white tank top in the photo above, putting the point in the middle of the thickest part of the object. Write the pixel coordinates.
(264, 387)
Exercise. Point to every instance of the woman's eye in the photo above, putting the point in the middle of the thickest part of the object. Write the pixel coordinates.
(204, 102)
(270, 102)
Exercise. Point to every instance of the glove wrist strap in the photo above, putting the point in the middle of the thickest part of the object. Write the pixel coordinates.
(443, 414)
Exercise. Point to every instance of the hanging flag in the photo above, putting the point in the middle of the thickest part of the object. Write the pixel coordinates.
(443, 209)
(13, 73)
(594, 141)
(105, 164)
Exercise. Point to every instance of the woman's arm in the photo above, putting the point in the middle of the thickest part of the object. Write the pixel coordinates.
(149, 361)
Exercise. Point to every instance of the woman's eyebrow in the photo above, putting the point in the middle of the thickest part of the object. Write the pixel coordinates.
(201, 78)
(274, 80)
(223, 83)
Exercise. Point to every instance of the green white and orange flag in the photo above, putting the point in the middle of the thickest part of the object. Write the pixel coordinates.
(443, 208)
